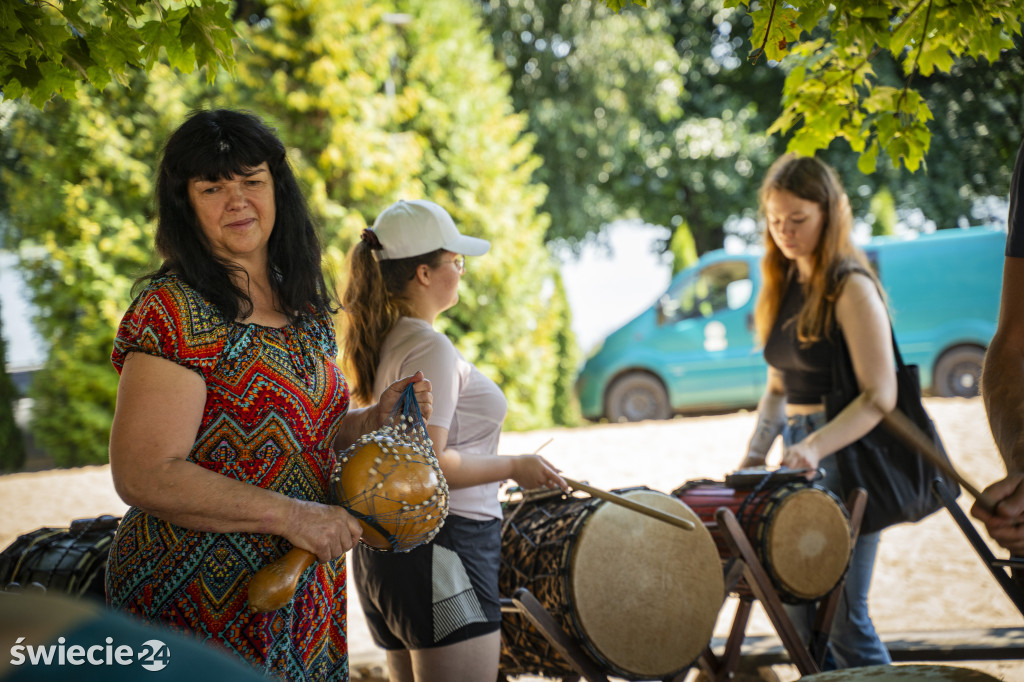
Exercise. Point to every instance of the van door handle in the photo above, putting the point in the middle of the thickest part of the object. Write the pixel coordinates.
(750, 322)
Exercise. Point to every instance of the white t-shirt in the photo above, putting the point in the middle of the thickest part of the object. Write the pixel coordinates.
(466, 402)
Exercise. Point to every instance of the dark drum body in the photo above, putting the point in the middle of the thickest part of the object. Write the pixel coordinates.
(639, 595)
(799, 531)
(70, 561)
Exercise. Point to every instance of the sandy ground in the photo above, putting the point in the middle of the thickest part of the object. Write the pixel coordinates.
(927, 576)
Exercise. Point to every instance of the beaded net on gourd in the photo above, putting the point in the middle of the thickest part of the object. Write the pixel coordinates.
(391, 482)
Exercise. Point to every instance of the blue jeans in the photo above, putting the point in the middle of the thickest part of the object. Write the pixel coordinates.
(853, 641)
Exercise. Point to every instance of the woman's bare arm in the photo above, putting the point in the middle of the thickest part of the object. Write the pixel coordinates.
(463, 471)
(864, 323)
(156, 421)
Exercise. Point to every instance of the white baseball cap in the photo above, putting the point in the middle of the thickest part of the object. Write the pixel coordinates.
(412, 228)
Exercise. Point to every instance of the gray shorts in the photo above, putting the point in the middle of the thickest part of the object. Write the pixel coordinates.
(440, 593)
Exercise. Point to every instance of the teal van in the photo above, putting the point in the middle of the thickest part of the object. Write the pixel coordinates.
(693, 349)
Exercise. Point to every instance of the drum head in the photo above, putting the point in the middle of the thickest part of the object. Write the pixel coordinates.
(646, 592)
(903, 673)
(808, 543)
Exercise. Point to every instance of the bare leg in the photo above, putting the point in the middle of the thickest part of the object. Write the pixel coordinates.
(400, 666)
(471, 660)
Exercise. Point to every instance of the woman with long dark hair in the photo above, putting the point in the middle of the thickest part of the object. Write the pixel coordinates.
(230, 408)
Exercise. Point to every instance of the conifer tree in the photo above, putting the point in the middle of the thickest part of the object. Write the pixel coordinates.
(386, 101)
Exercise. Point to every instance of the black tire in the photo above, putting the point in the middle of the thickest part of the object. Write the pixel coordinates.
(635, 397)
(958, 372)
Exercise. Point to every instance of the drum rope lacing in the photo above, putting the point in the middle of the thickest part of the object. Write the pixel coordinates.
(742, 512)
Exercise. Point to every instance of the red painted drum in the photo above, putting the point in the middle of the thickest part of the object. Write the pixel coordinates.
(799, 531)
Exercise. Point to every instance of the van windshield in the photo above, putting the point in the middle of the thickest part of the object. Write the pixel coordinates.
(717, 287)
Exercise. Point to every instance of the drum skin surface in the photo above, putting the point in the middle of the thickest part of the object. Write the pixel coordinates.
(810, 547)
(641, 586)
(639, 595)
(903, 673)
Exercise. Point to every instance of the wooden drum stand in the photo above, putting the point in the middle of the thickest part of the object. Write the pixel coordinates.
(745, 564)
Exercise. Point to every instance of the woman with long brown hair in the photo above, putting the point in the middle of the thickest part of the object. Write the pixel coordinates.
(818, 285)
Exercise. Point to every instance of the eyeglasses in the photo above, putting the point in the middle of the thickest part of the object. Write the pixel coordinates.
(460, 263)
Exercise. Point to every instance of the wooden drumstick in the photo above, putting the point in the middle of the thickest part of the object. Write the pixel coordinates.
(630, 504)
(273, 586)
(902, 426)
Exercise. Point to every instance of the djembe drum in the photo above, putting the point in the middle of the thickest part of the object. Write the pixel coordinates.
(799, 531)
(640, 595)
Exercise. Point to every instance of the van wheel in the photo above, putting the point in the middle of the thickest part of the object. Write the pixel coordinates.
(637, 396)
(958, 372)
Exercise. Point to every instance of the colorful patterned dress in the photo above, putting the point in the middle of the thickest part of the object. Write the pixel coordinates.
(275, 399)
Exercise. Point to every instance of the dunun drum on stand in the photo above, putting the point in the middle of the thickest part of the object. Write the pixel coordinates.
(639, 595)
(799, 531)
(70, 561)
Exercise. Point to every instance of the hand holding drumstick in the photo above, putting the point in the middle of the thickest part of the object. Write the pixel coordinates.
(1004, 522)
(566, 483)
(533, 471)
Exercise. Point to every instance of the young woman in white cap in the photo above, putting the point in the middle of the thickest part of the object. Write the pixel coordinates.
(434, 609)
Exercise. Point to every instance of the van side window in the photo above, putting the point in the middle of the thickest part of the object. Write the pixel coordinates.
(717, 287)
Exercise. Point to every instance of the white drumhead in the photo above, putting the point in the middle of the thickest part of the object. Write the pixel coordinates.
(647, 593)
(808, 543)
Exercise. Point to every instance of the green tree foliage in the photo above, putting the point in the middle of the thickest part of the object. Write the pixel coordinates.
(593, 84)
(50, 48)
(649, 114)
(80, 190)
(565, 409)
(385, 102)
(612, 149)
(883, 212)
(832, 89)
(978, 127)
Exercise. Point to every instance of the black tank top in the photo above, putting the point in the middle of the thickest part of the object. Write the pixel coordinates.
(806, 368)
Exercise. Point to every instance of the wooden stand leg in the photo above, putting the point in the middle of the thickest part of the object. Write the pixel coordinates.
(723, 668)
(759, 583)
(525, 603)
